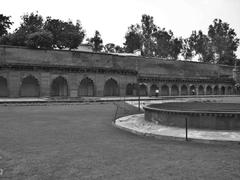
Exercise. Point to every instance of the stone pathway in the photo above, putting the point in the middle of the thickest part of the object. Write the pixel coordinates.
(136, 124)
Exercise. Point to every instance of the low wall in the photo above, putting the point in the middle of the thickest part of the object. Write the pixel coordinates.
(199, 119)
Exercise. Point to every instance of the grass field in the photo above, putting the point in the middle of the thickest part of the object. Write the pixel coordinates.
(79, 142)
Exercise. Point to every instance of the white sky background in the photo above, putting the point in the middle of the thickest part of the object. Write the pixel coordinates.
(112, 17)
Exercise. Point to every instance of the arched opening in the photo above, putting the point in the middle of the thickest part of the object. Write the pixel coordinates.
(3, 87)
(111, 88)
(216, 90)
(200, 90)
(165, 90)
(143, 90)
(175, 90)
(192, 90)
(59, 87)
(86, 87)
(208, 90)
(153, 89)
(229, 90)
(30, 87)
(222, 90)
(130, 89)
(184, 90)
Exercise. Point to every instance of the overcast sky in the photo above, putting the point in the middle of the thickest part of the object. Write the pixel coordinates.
(112, 17)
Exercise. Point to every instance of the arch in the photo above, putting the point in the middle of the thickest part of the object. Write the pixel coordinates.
(165, 90)
(86, 87)
(153, 89)
(111, 88)
(209, 90)
(223, 90)
(3, 87)
(200, 90)
(130, 89)
(184, 90)
(174, 90)
(229, 90)
(59, 87)
(192, 90)
(216, 90)
(30, 87)
(143, 90)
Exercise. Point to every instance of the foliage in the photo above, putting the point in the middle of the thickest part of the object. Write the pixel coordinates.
(40, 39)
(112, 48)
(152, 40)
(5, 24)
(65, 34)
(224, 42)
(96, 42)
(133, 39)
(218, 46)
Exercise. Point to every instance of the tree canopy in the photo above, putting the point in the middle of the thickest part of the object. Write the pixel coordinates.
(5, 24)
(152, 40)
(96, 41)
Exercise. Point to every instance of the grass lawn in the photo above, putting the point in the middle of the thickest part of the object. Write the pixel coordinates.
(79, 142)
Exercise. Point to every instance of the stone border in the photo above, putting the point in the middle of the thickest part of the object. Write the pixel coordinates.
(144, 130)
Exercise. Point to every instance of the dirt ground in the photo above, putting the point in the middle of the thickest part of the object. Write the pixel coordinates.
(79, 142)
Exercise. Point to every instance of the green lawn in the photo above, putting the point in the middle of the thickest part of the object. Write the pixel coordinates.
(79, 142)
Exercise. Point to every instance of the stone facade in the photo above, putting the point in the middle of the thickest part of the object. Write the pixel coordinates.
(45, 73)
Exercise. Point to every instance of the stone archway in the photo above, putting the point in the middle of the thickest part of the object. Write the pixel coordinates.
(30, 87)
(130, 89)
(223, 90)
(86, 87)
(153, 89)
(111, 88)
(184, 90)
(209, 90)
(192, 90)
(59, 87)
(200, 90)
(165, 90)
(229, 90)
(143, 90)
(216, 90)
(3, 87)
(174, 90)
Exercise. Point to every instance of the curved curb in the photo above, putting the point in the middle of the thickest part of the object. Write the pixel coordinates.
(174, 138)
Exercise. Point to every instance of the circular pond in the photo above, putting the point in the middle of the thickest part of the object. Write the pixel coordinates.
(201, 115)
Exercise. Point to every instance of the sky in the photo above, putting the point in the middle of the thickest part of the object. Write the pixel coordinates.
(113, 17)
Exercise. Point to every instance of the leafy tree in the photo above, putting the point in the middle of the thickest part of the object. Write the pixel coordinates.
(96, 42)
(65, 34)
(223, 41)
(110, 48)
(40, 39)
(148, 28)
(133, 39)
(5, 24)
(199, 45)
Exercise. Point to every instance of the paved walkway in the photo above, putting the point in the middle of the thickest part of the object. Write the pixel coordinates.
(136, 124)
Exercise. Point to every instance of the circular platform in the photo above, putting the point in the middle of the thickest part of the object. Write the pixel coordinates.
(200, 115)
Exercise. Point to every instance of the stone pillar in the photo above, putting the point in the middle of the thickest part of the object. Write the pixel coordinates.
(99, 85)
(73, 85)
(14, 83)
(45, 84)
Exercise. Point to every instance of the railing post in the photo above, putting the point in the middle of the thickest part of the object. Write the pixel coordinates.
(186, 127)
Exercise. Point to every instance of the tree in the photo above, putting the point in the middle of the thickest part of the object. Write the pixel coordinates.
(223, 41)
(40, 39)
(65, 34)
(5, 24)
(199, 45)
(96, 42)
(148, 29)
(133, 39)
